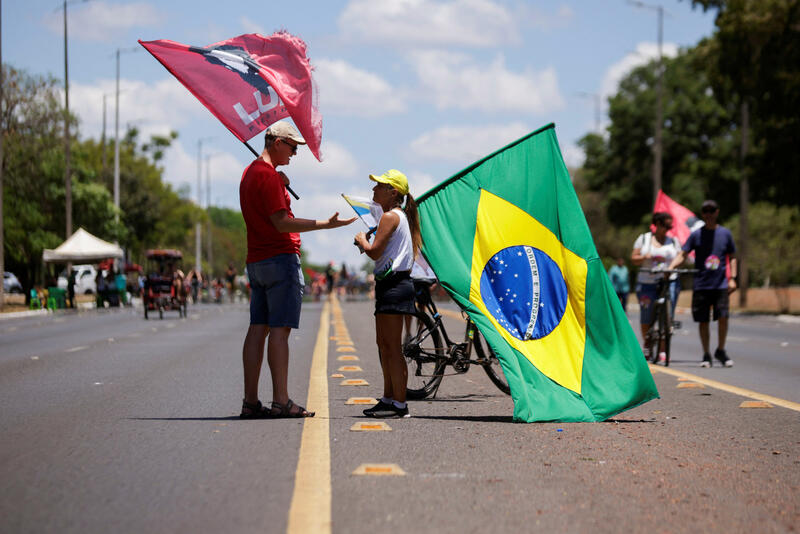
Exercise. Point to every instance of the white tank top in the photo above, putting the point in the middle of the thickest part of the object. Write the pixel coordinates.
(399, 252)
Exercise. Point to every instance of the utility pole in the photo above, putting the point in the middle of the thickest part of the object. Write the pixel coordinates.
(209, 250)
(67, 177)
(659, 123)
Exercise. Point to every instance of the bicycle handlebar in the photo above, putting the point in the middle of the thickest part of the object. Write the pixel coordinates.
(669, 271)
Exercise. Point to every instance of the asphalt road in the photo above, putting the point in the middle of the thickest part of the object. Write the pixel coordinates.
(114, 423)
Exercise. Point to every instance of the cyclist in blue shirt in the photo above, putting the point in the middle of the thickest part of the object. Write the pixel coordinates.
(711, 244)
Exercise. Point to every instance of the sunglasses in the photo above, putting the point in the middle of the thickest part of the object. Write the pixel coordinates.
(709, 210)
(290, 145)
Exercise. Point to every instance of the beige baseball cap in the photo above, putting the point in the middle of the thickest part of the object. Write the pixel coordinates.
(285, 130)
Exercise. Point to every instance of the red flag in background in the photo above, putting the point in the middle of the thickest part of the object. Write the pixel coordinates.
(248, 82)
(684, 222)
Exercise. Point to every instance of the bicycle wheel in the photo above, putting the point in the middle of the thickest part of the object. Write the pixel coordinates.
(425, 356)
(490, 362)
(666, 330)
(652, 340)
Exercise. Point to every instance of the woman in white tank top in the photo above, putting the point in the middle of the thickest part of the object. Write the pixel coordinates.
(396, 242)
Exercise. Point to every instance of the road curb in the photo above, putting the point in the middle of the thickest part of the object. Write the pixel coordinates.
(19, 315)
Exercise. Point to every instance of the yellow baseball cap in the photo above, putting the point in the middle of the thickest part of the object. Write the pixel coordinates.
(394, 178)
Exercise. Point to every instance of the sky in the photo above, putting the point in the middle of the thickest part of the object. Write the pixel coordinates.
(423, 86)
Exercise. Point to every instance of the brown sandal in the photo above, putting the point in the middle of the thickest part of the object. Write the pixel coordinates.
(280, 411)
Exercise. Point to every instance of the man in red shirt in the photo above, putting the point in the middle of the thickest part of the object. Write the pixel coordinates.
(273, 267)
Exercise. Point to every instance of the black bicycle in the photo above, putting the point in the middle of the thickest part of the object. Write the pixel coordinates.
(662, 325)
(428, 350)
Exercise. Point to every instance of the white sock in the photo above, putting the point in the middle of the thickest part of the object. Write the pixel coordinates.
(386, 400)
(400, 405)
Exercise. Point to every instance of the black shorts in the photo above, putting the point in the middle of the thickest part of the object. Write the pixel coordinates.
(705, 299)
(395, 294)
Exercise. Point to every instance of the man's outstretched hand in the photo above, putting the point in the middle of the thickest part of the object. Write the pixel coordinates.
(335, 222)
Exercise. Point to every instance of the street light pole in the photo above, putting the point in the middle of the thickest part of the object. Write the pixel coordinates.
(116, 146)
(657, 144)
(103, 139)
(197, 229)
(209, 250)
(67, 178)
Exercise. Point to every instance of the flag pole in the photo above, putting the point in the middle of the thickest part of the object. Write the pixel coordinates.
(256, 154)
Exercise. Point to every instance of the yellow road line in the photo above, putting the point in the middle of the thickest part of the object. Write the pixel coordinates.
(730, 389)
(311, 503)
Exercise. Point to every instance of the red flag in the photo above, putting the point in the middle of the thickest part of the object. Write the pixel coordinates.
(684, 222)
(248, 82)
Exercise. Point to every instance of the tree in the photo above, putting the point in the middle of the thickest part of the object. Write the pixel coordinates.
(698, 143)
(775, 257)
(754, 57)
(151, 213)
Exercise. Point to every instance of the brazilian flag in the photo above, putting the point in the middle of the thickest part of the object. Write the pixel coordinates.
(508, 241)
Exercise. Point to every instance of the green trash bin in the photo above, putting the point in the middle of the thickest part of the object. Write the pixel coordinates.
(58, 296)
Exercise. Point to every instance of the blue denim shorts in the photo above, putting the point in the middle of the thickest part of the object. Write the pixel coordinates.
(276, 291)
(648, 294)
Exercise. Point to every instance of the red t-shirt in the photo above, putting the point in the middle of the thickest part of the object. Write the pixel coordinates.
(262, 193)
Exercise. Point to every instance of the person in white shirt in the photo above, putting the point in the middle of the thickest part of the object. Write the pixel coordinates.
(396, 243)
(654, 250)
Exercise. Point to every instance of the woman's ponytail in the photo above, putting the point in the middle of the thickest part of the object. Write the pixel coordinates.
(412, 215)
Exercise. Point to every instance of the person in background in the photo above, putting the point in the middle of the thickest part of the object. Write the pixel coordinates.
(620, 280)
(230, 278)
(711, 244)
(654, 250)
(71, 288)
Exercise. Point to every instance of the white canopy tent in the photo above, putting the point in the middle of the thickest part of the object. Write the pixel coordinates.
(82, 247)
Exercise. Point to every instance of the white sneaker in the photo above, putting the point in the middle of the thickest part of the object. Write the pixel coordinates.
(662, 358)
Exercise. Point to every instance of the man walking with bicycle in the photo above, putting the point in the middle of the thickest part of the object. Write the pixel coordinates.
(711, 244)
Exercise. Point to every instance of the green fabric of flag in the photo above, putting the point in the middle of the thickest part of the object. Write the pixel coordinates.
(508, 241)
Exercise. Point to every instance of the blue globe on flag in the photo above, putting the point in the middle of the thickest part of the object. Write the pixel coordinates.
(524, 290)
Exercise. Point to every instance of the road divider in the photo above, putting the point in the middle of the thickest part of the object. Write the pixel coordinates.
(378, 426)
(354, 382)
(379, 470)
(361, 400)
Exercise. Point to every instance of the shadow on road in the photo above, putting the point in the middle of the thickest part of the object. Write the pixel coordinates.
(629, 421)
(473, 418)
(228, 418)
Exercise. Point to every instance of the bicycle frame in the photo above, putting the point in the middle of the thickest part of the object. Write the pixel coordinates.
(425, 302)
(662, 324)
(441, 350)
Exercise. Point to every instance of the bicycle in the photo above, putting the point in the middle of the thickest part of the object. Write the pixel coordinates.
(427, 356)
(662, 325)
